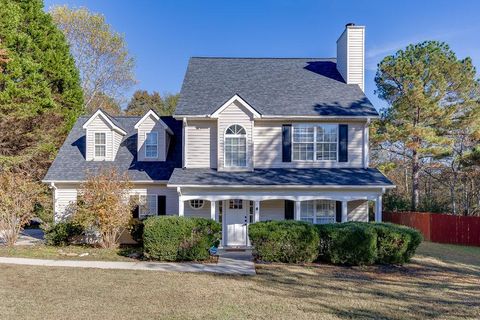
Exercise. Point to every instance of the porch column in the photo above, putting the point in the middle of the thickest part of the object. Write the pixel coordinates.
(344, 211)
(212, 209)
(378, 209)
(180, 207)
(297, 210)
(256, 217)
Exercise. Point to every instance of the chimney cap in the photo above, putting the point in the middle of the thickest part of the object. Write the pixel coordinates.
(350, 24)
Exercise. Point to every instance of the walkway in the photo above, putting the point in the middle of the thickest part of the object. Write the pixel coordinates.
(231, 263)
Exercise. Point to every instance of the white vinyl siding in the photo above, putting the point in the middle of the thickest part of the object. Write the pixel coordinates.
(268, 147)
(351, 55)
(203, 212)
(98, 125)
(358, 210)
(117, 140)
(67, 193)
(272, 210)
(235, 114)
(150, 125)
(201, 144)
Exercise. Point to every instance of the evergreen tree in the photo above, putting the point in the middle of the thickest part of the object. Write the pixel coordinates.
(40, 92)
(432, 95)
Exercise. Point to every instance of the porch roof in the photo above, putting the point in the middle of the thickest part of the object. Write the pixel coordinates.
(334, 177)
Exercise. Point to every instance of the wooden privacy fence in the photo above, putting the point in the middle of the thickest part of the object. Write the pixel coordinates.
(442, 228)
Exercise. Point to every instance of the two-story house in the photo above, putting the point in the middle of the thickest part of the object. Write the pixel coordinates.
(252, 139)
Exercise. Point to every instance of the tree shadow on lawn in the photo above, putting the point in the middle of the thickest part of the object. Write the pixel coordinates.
(424, 288)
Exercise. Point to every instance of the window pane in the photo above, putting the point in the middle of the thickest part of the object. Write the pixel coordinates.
(307, 211)
(303, 134)
(100, 151)
(235, 152)
(100, 138)
(148, 205)
(325, 211)
(235, 204)
(151, 145)
(303, 151)
(326, 142)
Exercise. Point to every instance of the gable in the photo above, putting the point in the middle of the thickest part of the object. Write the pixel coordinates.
(236, 102)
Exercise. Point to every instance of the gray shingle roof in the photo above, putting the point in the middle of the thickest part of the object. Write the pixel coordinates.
(282, 176)
(290, 86)
(70, 163)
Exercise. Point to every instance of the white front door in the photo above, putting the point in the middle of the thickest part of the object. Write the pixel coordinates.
(236, 222)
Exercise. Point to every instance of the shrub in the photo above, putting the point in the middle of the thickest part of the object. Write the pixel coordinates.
(61, 233)
(347, 243)
(395, 244)
(284, 241)
(172, 238)
(361, 243)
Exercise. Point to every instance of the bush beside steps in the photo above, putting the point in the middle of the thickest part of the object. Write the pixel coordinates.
(351, 243)
(173, 238)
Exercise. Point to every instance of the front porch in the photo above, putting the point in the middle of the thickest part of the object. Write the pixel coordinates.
(236, 209)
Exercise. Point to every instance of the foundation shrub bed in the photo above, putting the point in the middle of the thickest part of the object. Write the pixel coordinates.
(284, 241)
(361, 243)
(173, 238)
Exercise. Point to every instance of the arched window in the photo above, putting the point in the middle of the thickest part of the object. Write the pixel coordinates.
(235, 146)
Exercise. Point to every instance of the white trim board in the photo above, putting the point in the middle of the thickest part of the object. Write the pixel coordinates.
(156, 117)
(230, 101)
(103, 115)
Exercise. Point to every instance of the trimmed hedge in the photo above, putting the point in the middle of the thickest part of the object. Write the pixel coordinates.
(361, 243)
(347, 243)
(284, 241)
(61, 233)
(173, 238)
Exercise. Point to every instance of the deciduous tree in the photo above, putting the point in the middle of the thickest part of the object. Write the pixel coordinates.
(18, 195)
(142, 101)
(104, 204)
(101, 54)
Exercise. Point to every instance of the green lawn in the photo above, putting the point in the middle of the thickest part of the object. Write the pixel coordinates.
(442, 282)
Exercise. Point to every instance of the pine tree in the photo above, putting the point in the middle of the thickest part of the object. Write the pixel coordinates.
(40, 92)
(430, 92)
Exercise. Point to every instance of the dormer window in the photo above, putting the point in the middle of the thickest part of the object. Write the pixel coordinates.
(235, 146)
(100, 144)
(151, 145)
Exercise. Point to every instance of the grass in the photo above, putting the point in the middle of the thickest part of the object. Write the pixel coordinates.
(441, 282)
(68, 253)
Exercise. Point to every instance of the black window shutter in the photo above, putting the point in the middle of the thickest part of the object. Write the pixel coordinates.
(289, 210)
(343, 143)
(162, 205)
(135, 209)
(287, 143)
(338, 216)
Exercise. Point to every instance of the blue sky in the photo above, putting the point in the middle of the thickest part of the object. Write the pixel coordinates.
(162, 35)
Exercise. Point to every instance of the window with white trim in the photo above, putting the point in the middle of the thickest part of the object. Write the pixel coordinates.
(151, 145)
(315, 142)
(235, 146)
(196, 204)
(318, 211)
(148, 206)
(100, 144)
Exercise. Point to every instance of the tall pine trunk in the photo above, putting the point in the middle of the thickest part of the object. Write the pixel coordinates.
(415, 181)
